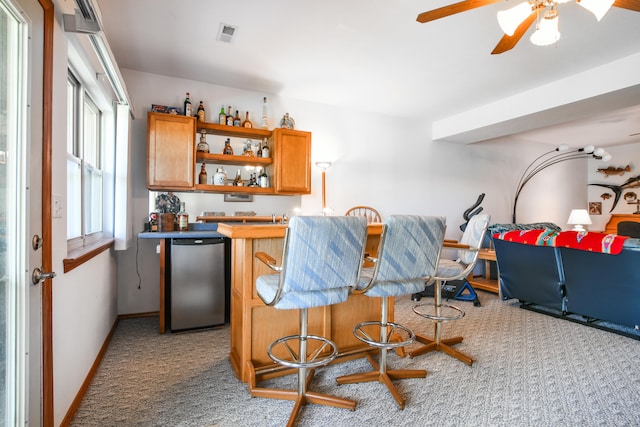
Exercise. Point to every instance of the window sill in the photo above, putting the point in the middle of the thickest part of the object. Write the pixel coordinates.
(77, 257)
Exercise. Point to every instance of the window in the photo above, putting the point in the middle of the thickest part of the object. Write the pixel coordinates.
(84, 165)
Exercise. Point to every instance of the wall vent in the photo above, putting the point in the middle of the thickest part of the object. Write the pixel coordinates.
(226, 33)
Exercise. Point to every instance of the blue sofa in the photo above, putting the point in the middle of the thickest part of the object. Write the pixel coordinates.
(592, 287)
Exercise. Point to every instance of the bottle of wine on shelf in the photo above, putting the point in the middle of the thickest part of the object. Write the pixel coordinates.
(236, 120)
(238, 180)
(264, 123)
(247, 123)
(188, 111)
(265, 149)
(200, 112)
(202, 178)
(229, 117)
(228, 149)
(183, 218)
(222, 117)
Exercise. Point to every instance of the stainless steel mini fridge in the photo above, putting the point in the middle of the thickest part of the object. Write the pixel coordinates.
(197, 293)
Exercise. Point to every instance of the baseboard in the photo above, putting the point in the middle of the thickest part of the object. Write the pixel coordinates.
(87, 381)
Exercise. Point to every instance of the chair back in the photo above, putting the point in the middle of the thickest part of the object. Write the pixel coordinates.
(368, 212)
(473, 236)
(408, 256)
(322, 260)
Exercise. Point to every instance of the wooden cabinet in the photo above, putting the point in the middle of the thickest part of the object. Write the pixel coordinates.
(172, 160)
(170, 152)
(292, 161)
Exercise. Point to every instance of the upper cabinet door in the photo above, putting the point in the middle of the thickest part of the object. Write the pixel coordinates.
(292, 161)
(171, 141)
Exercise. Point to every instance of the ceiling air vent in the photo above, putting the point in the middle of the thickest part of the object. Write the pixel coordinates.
(226, 33)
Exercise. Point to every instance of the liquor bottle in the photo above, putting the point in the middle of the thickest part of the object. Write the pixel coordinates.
(264, 123)
(203, 147)
(202, 178)
(183, 218)
(259, 153)
(263, 179)
(222, 117)
(238, 180)
(200, 112)
(229, 117)
(228, 149)
(265, 149)
(187, 106)
(220, 177)
(236, 120)
(247, 123)
(153, 221)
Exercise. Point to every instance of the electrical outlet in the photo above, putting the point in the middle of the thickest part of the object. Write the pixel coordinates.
(157, 249)
(57, 206)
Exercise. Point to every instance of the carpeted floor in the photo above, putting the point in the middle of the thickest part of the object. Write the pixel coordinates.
(530, 370)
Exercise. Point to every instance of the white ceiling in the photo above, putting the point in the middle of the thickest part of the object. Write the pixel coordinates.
(372, 55)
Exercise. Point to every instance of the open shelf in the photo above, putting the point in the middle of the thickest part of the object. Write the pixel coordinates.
(233, 131)
(227, 159)
(234, 189)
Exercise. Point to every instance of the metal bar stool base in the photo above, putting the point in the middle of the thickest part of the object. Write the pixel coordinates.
(437, 343)
(400, 336)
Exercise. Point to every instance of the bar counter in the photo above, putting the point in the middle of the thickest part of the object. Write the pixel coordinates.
(254, 325)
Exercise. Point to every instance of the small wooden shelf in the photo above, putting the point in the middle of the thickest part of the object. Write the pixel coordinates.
(233, 131)
(485, 283)
(234, 189)
(226, 159)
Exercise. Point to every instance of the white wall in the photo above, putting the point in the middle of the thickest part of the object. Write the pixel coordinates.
(386, 162)
(85, 299)
(622, 155)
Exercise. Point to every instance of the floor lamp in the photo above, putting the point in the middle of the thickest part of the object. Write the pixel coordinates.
(550, 158)
(324, 166)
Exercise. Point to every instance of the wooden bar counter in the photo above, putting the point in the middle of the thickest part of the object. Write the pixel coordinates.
(254, 325)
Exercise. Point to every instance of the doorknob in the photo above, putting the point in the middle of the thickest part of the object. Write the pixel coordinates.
(38, 276)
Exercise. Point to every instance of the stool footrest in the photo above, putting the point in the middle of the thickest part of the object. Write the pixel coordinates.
(456, 313)
(395, 335)
(319, 357)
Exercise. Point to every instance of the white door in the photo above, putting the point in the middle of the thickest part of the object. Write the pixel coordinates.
(21, 142)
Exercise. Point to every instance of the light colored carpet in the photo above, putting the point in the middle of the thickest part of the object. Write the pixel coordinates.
(530, 370)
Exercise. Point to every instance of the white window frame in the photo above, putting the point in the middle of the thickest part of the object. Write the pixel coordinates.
(76, 142)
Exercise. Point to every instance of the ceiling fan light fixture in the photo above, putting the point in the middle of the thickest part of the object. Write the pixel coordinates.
(599, 8)
(510, 19)
(547, 32)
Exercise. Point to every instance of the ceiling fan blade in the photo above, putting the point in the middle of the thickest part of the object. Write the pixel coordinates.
(463, 6)
(508, 42)
(628, 4)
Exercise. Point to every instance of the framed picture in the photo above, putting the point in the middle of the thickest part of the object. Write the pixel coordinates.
(595, 208)
(241, 197)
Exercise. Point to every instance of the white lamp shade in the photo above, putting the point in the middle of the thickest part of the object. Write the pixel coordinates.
(547, 32)
(578, 218)
(599, 8)
(510, 19)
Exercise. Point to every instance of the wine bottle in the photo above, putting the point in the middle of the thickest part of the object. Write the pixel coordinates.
(236, 120)
(265, 149)
(264, 123)
(187, 106)
(228, 149)
(222, 117)
(229, 117)
(183, 218)
(247, 123)
(238, 180)
(200, 112)
(202, 178)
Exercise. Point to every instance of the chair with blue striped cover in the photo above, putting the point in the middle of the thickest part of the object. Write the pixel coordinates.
(407, 258)
(468, 248)
(321, 265)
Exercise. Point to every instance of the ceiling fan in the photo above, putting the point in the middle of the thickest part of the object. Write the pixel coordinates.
(517, 20)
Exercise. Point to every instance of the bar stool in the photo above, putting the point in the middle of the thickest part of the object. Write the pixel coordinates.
(439, 312)
(321, 264)
(407, 257)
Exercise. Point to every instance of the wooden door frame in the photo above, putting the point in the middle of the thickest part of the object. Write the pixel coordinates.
(47, 232)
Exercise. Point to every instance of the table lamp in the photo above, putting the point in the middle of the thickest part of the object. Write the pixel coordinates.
(578, 218)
